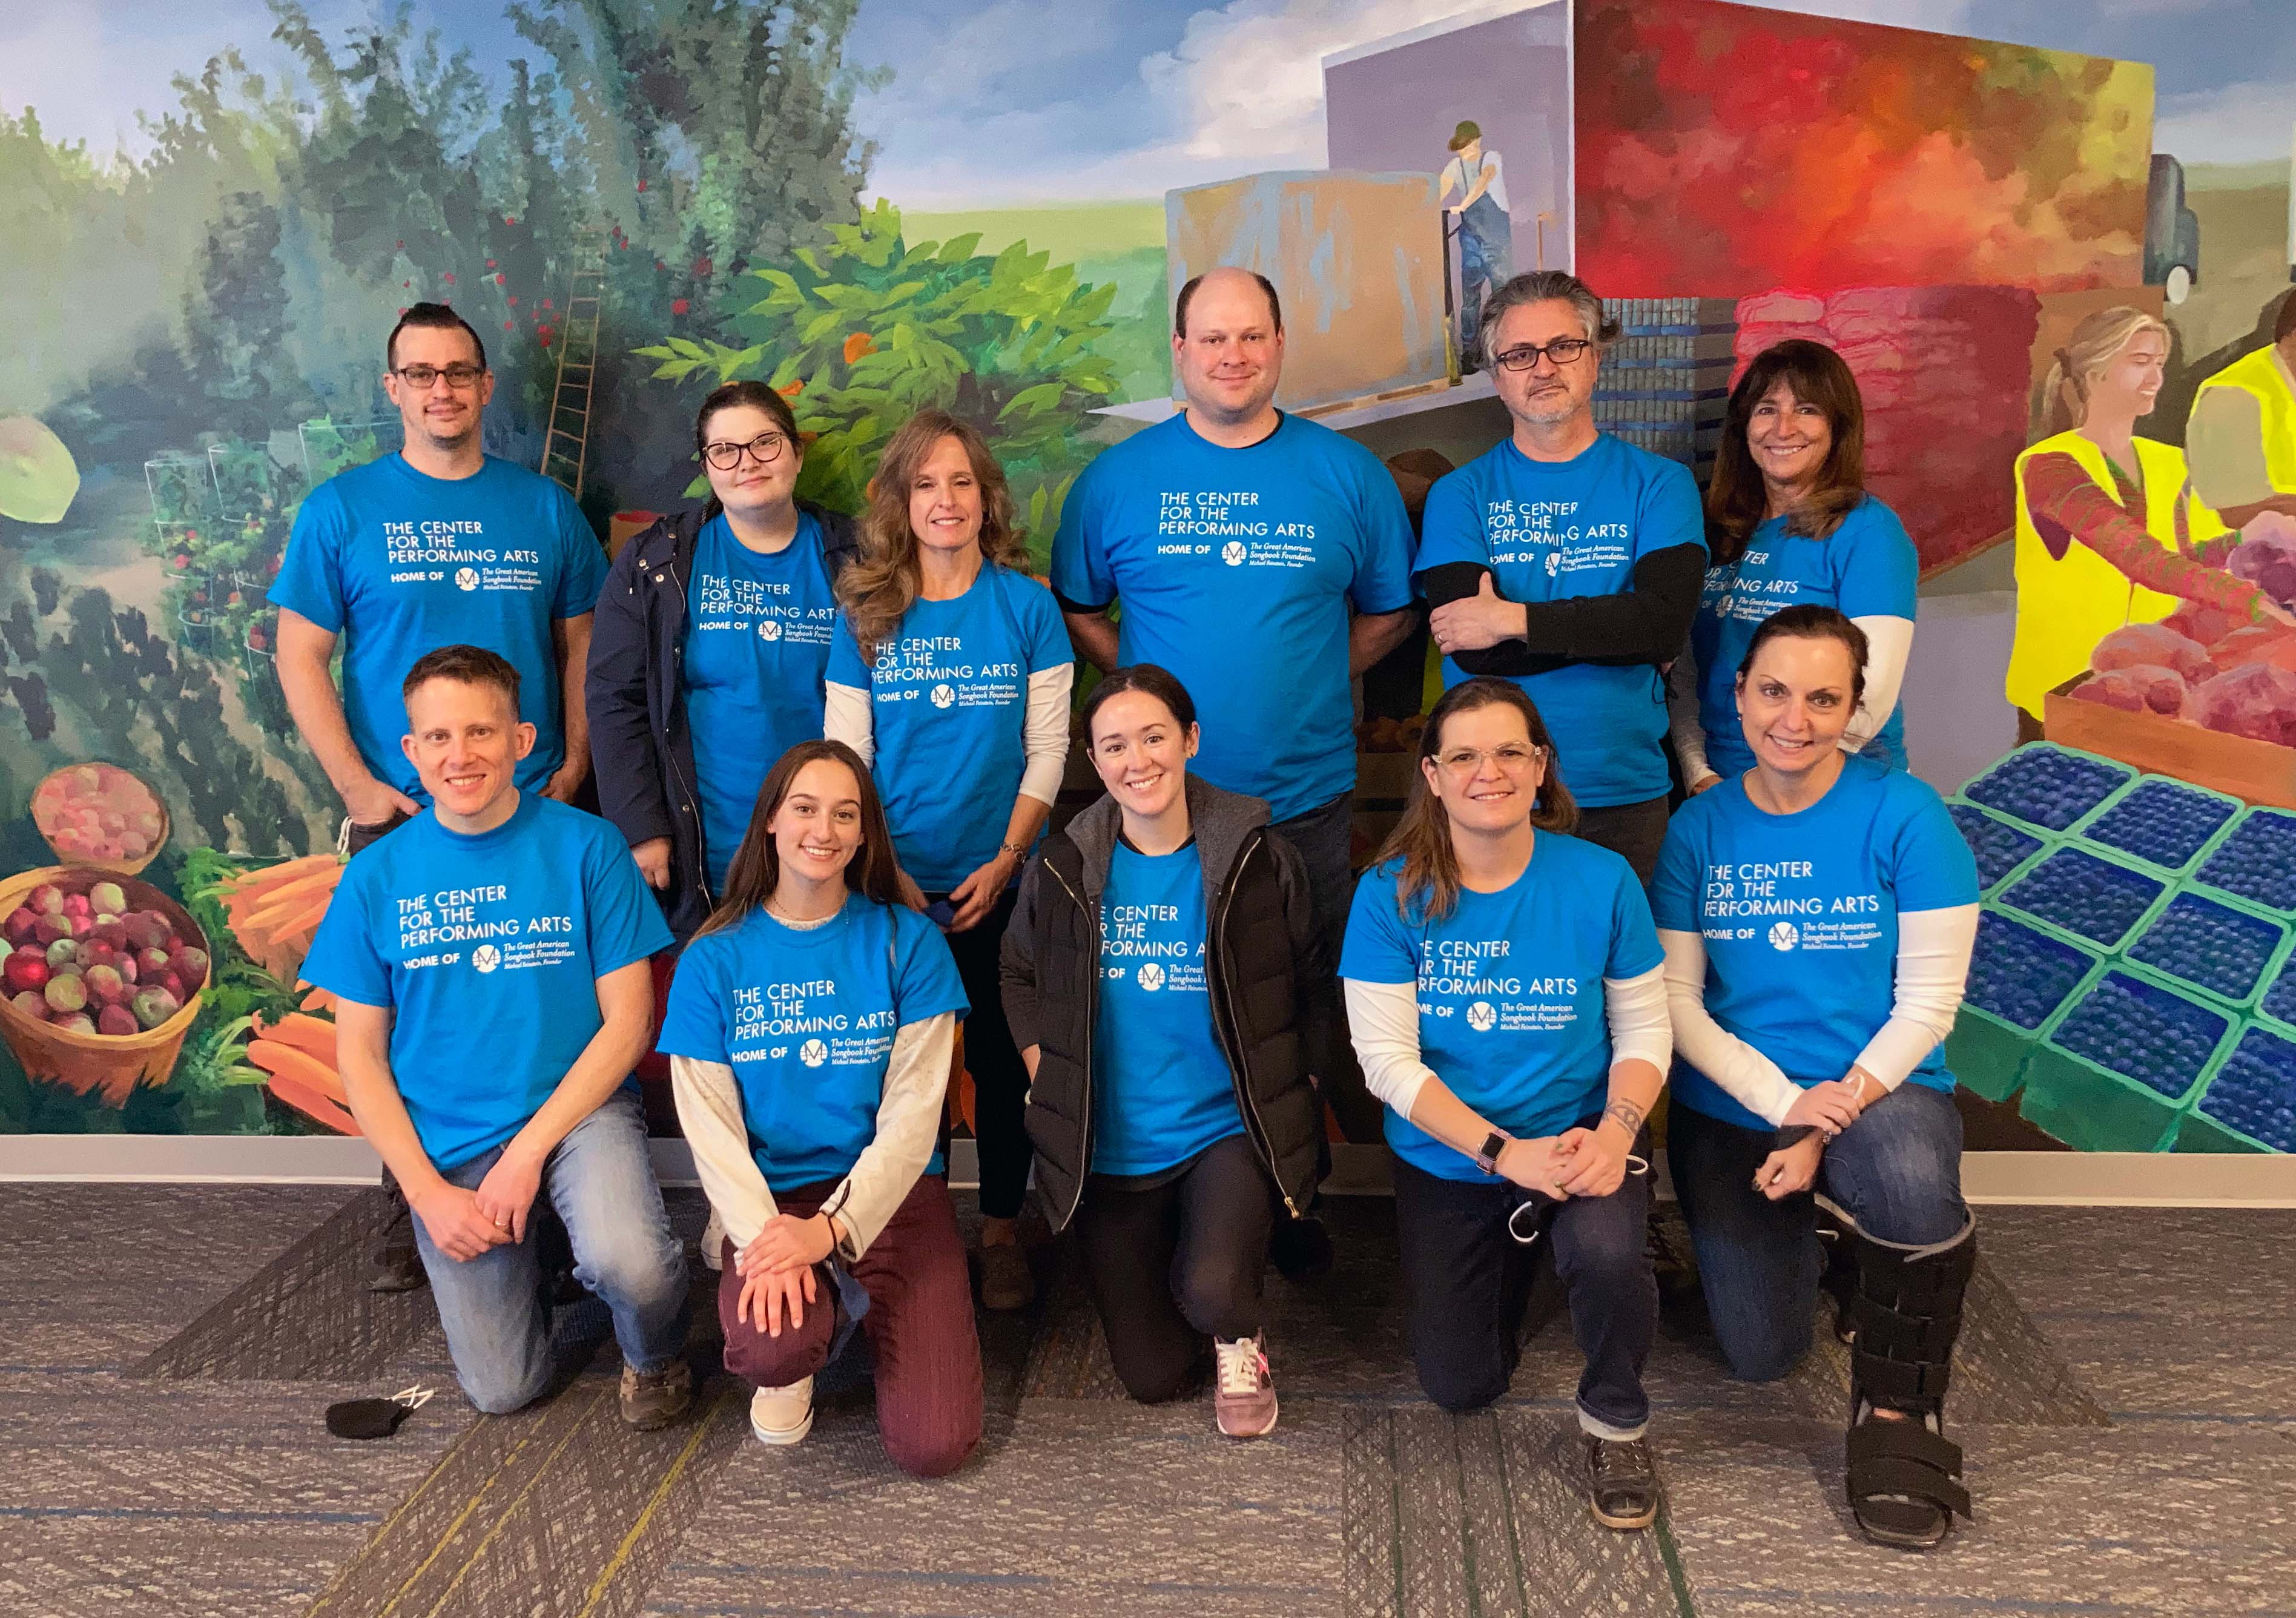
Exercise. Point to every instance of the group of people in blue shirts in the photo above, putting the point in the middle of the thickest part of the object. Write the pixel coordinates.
(827, 752)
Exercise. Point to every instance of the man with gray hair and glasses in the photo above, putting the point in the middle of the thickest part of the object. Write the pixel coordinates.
(1570, 561)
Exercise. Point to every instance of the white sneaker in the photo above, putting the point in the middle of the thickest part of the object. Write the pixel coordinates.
(1244, 1394)
(782, 1416)
(713, 1242)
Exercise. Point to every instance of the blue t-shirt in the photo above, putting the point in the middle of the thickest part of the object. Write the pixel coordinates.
(487, 950)
(1163, 1090)
(948, 707)
(805, 1017)
(1867, 569)
(399, 563)
(1555, 531)
(1235, 569)
(1512, 1016)
(1799, 917)
(757, 630)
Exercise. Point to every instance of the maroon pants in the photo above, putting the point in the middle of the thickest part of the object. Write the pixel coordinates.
(920, 1322)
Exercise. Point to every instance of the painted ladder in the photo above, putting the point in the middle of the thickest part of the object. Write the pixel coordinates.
(566, 446)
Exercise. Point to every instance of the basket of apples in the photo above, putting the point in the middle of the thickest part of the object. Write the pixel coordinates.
(102, 979)
(100, 815)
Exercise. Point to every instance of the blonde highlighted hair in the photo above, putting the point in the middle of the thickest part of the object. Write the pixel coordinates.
(882, 585)
(2063, 404)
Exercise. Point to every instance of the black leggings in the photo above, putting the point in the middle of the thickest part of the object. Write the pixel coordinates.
(1177, 1261)
(1000, 1079)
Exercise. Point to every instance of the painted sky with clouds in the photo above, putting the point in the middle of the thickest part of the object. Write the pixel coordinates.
(995, 100)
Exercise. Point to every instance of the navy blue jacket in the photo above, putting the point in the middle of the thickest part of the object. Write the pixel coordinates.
(641, 751)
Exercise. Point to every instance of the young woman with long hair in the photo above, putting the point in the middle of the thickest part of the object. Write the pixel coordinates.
(950, 677)
(1817, 915)
(1504, 990)
(1788, 519)
(810, 1028)
(707, 656)
(1153, 973)
(2109, 530)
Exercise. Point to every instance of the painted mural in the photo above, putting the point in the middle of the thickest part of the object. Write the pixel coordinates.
(878, 205)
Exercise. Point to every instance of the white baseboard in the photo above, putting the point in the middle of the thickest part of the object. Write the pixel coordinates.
(2117, 1179)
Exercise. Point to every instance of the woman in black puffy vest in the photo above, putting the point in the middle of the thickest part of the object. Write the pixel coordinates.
(1152, 975)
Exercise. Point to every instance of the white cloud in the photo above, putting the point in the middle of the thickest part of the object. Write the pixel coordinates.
(2241, 123)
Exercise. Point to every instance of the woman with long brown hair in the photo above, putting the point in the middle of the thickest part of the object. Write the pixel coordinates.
(950, 676)
(1789, 521)
(809, 1032)
(1506, 996)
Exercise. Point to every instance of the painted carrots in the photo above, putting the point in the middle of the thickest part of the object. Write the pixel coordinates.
(275, 911)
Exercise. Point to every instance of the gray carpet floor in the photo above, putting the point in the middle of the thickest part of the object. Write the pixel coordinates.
(2126, 1393)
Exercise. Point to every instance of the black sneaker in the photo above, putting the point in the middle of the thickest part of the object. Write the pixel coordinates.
(1621, 1481)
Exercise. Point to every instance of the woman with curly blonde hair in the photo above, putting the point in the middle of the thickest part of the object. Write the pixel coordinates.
(950, 677)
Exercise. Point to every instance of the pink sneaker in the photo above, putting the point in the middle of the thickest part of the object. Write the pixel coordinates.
(1244, 1398)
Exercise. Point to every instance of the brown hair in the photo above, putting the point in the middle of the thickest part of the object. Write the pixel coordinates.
(1427, 887)
(882, 585)
(465, 665)
(2092, 347)
(1149, 679)
(734, 395)
(1807, 620)
(1737, 501)
(1188, 295)
(757, 867)
(433, 318)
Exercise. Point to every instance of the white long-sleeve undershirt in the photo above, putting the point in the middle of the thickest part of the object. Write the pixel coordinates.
(1933, 969)
(908, 1127)
(1383, 1023)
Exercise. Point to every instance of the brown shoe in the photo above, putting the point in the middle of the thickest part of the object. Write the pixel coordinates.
(1006, 1281)
(655, 1398)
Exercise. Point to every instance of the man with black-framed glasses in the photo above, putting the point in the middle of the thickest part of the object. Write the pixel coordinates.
(1570, 561)
(438, 545)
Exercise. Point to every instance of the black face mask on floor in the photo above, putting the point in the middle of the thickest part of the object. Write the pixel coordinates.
(375, 1417)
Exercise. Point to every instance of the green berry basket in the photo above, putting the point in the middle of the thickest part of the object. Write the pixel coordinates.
(2200, 1132)
(2127, 774)
(2206, 994)
(2200, 884)
(2004, 898)
(1988, 1052)
(2084, 828)
(2092, 1108)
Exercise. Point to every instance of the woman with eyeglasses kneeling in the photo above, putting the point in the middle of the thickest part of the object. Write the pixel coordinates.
(810, 1027)
(1504, 989)
(1818, 912)
(709, 649)
(1152, 975)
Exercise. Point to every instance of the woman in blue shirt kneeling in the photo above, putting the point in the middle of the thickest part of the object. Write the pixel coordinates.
(1152, 975)
(1818, 912)
(810, 1028)
(950, 677)
(1504, 994)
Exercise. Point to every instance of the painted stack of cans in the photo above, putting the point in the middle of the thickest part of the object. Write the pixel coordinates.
(1666, 382)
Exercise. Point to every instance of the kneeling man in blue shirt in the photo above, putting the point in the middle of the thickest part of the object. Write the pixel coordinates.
(490, 959)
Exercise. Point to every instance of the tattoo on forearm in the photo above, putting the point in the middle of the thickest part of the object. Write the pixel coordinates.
(1629, 1115)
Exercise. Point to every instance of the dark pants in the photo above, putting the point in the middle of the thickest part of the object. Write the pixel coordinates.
(1635, 831)
(1466, 1280)
(919, 1321)
(1171, 1263)
(1897, 1171)
(1322, 837)
(1000, 1079)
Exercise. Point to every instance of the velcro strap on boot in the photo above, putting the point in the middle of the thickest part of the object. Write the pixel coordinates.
(1912, 1384)
(1906, 1457)
(1896, 1335)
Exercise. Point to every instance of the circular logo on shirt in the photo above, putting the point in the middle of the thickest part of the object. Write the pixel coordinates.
(813, 1053)
(1481, 1018)
(485, 957)
(944, 696)
(1553, 563)
(1152, 976)
(466, 579)
(770, 629)
(1232, 552)
(1785, 935)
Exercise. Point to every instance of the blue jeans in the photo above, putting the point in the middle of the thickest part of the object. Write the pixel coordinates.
(498, 1320)
(1897, 1171)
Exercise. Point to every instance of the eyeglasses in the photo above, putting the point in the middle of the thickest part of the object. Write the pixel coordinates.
(765, 449)
(1562, 351)
(1512, 757)
(420, 378)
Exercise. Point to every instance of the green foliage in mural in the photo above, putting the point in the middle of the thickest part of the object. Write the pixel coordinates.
(235, 321)
(863, 333)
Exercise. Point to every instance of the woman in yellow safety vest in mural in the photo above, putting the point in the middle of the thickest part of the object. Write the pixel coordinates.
(2109, 531)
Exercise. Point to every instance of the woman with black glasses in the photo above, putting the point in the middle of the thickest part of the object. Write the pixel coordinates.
(708, 656)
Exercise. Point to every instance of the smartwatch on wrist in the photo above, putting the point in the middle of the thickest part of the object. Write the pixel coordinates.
(1487, 1156)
